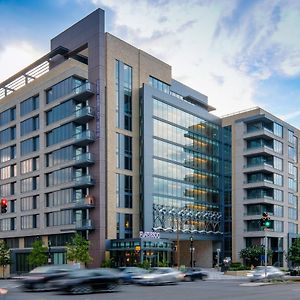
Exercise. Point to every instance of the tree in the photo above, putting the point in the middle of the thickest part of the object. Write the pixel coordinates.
(293, 254)
(4, 256)
(78, 250)
(252, 254)
(38, 255)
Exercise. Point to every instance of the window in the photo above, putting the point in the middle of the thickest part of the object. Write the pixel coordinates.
(8, 172)
(8, 224)
(7, 189)
(30, 145)
(8, 153)
(278, 163)
(278, 195)
(63, 88)
(293, 200)
(7, 116)
(124, 151)
(278, 226)
(292, 169)
(7, 135)
(60, 134)
(60, 112)
(29, 222)
(29, 125)
(292, 153)
(292, 184)
(159, 85)
(293, 213)
(278, 210)
(59, 176)
(123, 80)
(29, 184)
(293, 228)
(57, 218)
(29, 203)
(278, 179)
(278, 147)
(61, 156)
(278, 130)
(29, 105)
(60, 197)
(29, 165)
(124, 191)
(124, 226)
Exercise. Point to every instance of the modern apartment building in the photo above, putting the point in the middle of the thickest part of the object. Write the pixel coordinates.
(265, 178)
(97, 138)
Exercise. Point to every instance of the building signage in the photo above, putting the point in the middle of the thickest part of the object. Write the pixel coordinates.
(149, 235)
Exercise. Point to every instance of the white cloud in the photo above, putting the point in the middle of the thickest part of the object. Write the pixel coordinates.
(221, 48)
(16, 56)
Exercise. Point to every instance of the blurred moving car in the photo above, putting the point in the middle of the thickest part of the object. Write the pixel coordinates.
(159, 276)
(259, 273)
(39, 278)
(86, 281)
(194, 274)
(128, 273)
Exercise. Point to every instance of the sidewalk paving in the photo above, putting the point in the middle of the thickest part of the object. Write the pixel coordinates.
(214, 274)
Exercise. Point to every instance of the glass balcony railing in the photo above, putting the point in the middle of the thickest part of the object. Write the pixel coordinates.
(86, 202)
(86, 180)
(84, 114)
(82, 92)
(84, 159)
(84, 224)
(84, 138)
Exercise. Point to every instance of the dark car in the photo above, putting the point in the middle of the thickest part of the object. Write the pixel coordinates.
(194, 274)
(86, 281)
(128, 273)
(39, 278)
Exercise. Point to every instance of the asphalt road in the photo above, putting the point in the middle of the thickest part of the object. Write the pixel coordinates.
(210, 290)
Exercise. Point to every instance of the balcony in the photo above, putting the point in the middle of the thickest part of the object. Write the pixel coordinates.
(84, 138)
(83, 92)
(83, 203)
(259, 167)
(84, 114)
(84, 224)
(84, 181)
(84, 159)
(258, 150)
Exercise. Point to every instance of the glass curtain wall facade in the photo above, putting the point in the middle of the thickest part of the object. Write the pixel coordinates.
(186, 171)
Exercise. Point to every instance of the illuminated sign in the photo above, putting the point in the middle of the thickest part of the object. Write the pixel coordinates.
(149, 235)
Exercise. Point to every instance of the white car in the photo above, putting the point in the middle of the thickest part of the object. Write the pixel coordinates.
(259, 273)
(160, 276)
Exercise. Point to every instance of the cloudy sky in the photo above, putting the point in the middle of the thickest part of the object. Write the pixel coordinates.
(240, 53)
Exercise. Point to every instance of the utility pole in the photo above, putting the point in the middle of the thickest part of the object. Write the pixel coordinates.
(266, 251)
(178, 248)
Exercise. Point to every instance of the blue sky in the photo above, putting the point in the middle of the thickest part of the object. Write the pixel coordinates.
(240, 53)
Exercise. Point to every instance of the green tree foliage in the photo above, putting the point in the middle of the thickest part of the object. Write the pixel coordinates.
(78, 250)
(163, 263)
(107, 263)
(4, 256)
(38, 255)
(293, 254)
(252, 254)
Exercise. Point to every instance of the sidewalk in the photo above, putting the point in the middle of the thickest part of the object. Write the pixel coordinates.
(214, 274)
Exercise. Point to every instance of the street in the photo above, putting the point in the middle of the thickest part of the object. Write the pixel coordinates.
(210, 289)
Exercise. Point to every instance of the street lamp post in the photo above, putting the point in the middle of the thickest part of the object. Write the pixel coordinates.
(191, 251)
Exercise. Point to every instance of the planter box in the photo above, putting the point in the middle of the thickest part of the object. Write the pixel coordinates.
(237, 273)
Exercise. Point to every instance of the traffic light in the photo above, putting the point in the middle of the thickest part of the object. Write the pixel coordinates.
(265, 220)
(3, 205)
